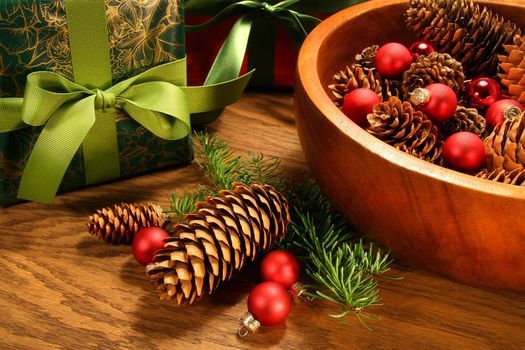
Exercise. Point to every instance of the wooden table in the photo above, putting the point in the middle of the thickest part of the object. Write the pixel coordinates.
(61, 288)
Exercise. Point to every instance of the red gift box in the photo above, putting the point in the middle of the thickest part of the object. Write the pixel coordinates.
(203, 46)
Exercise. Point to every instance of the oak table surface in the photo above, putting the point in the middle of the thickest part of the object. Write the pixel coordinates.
(60, 288)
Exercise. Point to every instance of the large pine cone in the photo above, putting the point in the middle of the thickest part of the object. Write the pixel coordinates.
(513, 66)
(400, 125)
(435, 68)
(505, 146)
(119, 224)
(219, 237)
(514, 177)
(465, 119)
(354, 77)
(473, 35)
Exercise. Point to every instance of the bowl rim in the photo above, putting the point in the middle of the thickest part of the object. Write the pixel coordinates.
(309, 57)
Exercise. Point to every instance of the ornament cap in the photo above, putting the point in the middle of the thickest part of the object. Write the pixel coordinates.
(248, 324)
(511, 112)
(420, 97)
(297, 292)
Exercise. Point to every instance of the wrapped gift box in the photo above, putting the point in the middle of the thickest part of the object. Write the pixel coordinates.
(34, 37)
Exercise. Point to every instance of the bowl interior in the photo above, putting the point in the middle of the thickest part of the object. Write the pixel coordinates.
(344, 35)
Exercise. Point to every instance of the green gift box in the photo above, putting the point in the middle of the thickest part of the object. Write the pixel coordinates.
(94, 90)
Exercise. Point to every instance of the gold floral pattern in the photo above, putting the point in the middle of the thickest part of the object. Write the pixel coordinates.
(34, 37)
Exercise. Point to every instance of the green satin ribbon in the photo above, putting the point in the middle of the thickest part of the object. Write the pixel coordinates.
(257, 14)
(83, 112)
(68, 110)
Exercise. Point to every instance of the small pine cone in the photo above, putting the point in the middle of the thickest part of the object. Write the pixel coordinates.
(514, 177)
(400, 125)
(120, 224)
(512, 65)
(354, 77)
(471, 34)
(366, 58)
(505, 146)
(218, 239)
(465, 119)
(435, 68)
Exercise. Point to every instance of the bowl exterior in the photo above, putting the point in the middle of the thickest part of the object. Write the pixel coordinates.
(465, 228)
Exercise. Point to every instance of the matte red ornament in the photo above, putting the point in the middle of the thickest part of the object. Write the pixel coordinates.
(281, 267)
(146, 242)
(421, 48)
(358, 104)
(269, 303)
(437, 101)
(482, 92)
(464, 151)
(392, 60)
(501, 110)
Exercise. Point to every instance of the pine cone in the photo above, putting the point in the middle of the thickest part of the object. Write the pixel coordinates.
(513, 66)
(217, 240)
(400, 125)
(120, 224)
(514, 177)
(435, 68)
(465, 119)
(471, 34)
(366, 58)
(505, 146)
(354, 77)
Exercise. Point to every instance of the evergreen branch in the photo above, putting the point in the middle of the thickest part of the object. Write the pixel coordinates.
(344, 271)
(185, 202)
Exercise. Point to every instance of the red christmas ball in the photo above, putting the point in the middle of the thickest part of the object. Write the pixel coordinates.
(392, 60)
(358, 104)
(421, 48)
(501, 110)
(464, 151)
(269, 303)
(146, 242)
(482, 92)
(280, 267)
(440, 104)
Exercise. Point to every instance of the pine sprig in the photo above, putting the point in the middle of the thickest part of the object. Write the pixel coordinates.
(343, 270)
(184, 202)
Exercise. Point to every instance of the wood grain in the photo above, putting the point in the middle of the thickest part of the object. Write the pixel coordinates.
(62, 289)
(431, 217)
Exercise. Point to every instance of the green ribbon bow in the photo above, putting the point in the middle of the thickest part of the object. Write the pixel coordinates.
(83, 112)
(260, 42)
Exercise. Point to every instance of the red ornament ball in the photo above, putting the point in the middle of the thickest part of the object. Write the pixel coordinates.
(280, 267)
(269, 303)
(442, 103)
(464, 151)
(358, 104)
(146, 242)
(421, 48)
(501, 110)
(392, 60)
(482, 92)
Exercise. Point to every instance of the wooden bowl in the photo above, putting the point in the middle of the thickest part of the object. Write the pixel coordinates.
(453, 224)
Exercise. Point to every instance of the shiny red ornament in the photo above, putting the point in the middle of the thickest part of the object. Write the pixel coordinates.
(464, 151)
(146, 242)
(421, 48)
(358, 104)
(501, 110)
(280, 267)
(482, 92)
(392, 60)
(269, 303)
(437, 101)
